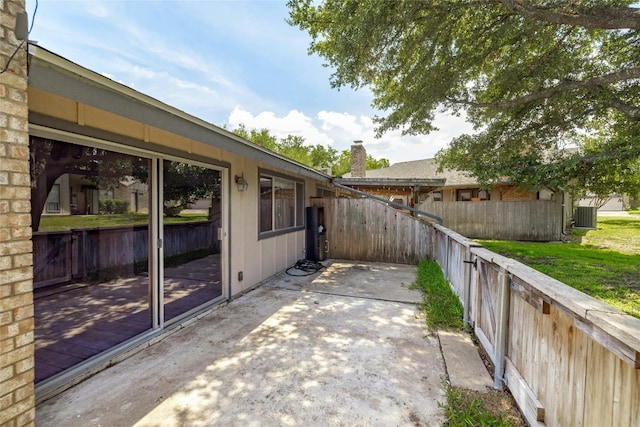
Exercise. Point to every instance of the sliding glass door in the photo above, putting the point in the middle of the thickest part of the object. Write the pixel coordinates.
(124, 242)
(191, 223)
(91, 254)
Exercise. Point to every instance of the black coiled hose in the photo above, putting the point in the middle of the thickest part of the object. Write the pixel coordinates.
(306, 266)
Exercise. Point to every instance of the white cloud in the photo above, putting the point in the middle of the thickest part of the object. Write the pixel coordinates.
(98, 9)
(344, 128)
(293, 123)
(339, 130)
(339, 121)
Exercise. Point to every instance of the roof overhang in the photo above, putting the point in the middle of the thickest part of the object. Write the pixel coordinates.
(390, 182)
(54, 74)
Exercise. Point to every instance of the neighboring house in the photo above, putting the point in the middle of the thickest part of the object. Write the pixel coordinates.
(101, 291)
(614, 202)
(75, 195)
(504, 212)
(394, 183)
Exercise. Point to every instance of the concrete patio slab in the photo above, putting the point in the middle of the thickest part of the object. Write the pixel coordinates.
(346, 346)
(464, 365)
(381, 281)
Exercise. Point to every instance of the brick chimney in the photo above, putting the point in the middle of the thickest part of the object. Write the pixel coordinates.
(358, 160)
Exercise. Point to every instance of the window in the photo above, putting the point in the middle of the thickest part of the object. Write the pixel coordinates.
(53, 199)
(281, 203)
(266, 204)
(299, 204)
(472, 194)
(324, 192)
(437, 196)
(464, 195)
(192, 193)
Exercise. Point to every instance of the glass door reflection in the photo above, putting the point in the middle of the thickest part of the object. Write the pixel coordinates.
(191, 250)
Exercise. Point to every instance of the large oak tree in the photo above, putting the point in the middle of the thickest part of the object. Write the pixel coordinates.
(532, 76)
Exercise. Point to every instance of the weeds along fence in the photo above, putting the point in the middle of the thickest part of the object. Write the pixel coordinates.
(567, 358)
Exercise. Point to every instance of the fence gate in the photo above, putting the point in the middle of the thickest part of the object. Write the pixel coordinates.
(486, 294)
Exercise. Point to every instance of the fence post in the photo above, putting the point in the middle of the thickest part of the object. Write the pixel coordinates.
(501, 327)
(467, 285)
(466, 298)
(83, 254)
(446, 256)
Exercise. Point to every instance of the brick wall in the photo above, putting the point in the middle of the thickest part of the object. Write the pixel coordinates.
(509, 193)
(17, 407)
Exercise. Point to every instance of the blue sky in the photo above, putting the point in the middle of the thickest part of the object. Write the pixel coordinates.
(226, 62)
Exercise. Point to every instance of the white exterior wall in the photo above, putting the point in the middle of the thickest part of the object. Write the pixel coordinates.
(257, 259)
(614, 203)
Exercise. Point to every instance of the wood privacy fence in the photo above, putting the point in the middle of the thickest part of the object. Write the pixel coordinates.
(534, 220)
(366, 230)
(568, 359)
(60, 257)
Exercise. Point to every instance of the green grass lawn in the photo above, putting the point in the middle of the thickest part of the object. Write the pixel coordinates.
(603, 263)
(63, 223)
(441, 305)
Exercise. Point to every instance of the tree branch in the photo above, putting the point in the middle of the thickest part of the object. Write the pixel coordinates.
(606, 17)
(565, 86)
(631, 111)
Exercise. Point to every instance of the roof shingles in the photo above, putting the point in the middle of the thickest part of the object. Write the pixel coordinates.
(420, 169)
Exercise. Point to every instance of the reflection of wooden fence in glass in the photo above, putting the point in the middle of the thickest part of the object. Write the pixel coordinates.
(567, 358)
(285, 212)
(51, 258)
(60, 257)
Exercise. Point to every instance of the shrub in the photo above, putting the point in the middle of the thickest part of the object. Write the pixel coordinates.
(114, 206)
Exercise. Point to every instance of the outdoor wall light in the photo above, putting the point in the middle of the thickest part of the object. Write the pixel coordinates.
(241, 183)
(21, 29)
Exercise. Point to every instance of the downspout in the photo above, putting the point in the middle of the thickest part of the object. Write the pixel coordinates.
(388, 202)
(564, 211)
(563, 224)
